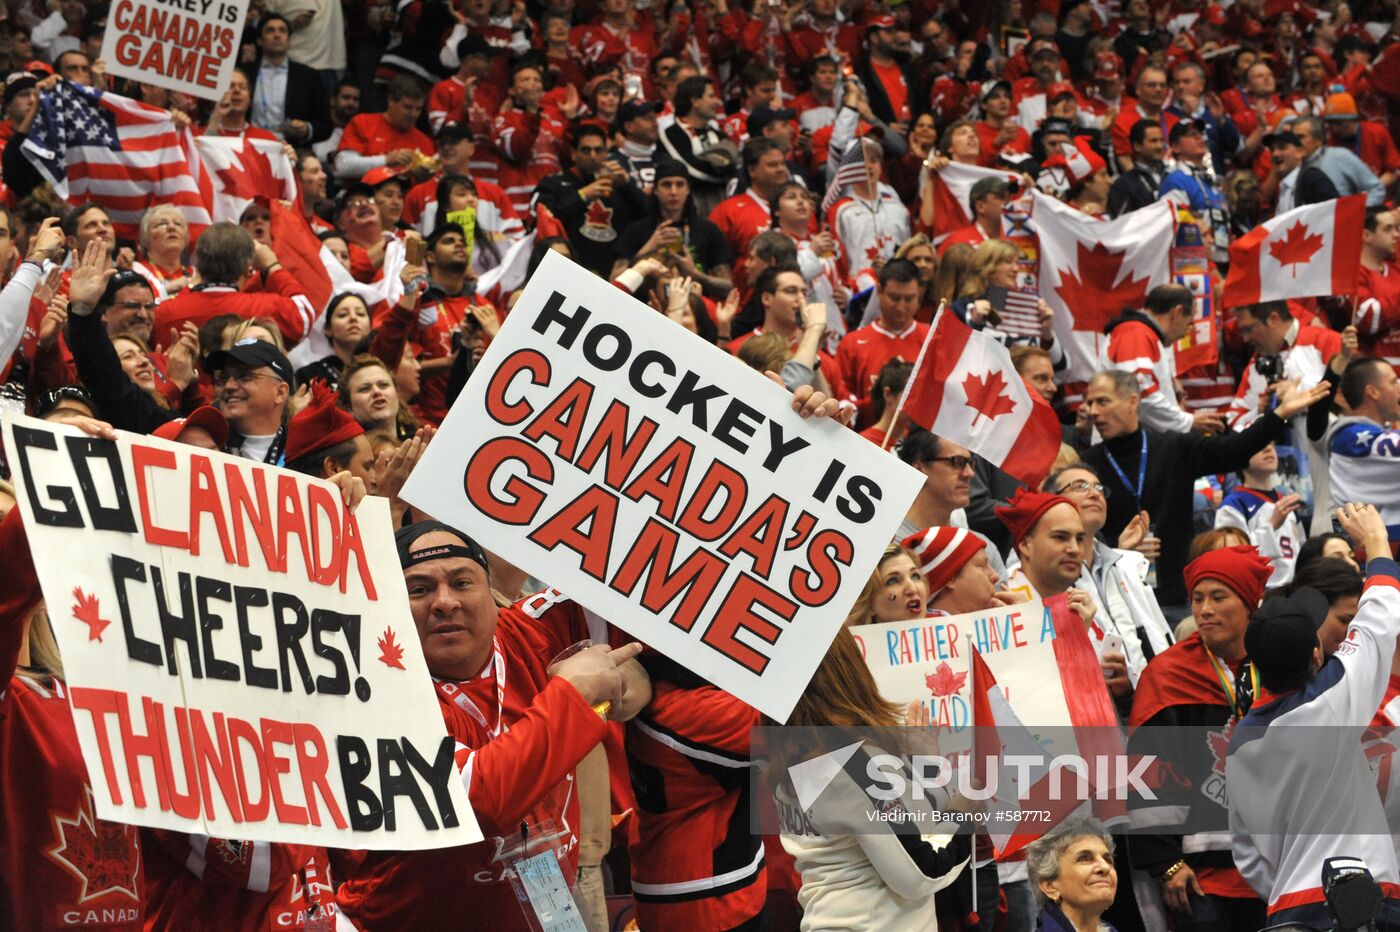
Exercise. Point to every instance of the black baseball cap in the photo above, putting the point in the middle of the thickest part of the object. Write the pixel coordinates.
(762, 117)
(1185, 127)
(453, 132)
(17, 83)
(253, 353)
(1283, 631)
(1056, 125)
(670, 168)
(1283, 134)
(405, 537)
(476, 44)
(635, 107)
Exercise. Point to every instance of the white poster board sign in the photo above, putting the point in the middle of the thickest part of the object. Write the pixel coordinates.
(664, 485)
(187, 45)
(238, 648)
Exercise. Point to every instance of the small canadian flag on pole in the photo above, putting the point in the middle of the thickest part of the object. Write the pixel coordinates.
(964, 388)
(1306, 252)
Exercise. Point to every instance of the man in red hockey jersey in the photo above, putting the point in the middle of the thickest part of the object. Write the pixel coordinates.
(521, 729)
(376, 140)
(1378, 288)
(894, 334)
(225, 256)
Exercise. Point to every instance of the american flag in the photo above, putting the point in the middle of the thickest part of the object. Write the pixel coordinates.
(122, 154)
(851, 170)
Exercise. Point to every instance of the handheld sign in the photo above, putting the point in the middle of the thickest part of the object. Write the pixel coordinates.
(238, 648)
(664, 485)
(186, 45)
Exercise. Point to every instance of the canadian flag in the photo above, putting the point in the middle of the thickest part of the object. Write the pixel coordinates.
(952, 189)
(245, 170)
(999, 736)
(1308, 251)
(1092, 270)
(966, 389)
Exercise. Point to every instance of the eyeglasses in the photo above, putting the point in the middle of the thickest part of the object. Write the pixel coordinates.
(1084, 485)
(959, 463)
(136, 305)
(242, 378)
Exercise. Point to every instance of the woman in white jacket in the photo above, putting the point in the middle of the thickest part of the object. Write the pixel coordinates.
(863, 867)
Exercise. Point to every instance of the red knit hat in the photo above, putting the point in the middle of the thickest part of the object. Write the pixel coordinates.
(1240, 568)
(210, 418)
(320, 425)
(942, 553)
(1025, 509)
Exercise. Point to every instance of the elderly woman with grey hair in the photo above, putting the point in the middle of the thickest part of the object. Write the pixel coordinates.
(165, 235)
(1071, 870)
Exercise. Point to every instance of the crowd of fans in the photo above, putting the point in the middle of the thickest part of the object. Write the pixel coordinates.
(762, 175)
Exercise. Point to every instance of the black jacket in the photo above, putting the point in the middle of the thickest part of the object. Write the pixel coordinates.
(875, 91)
(306, 99)
(593, 226)
(119, 400)
(1133, 190)
(1173, 463)
(1313, 187)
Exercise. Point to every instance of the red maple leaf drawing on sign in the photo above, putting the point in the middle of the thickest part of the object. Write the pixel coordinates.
(943, 681)
(86, 610)
(1296, 248)
(1095, 295)
(390, 653)
(984, 394)
(99, 854)
(253, 179)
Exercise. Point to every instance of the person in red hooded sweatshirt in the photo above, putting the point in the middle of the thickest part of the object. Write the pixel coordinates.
(1203, 683)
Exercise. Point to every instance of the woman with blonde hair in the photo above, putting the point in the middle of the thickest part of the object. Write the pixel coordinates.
(852, 877)
(896, 590)
(369, 391)
(919, 250)
(994, 266)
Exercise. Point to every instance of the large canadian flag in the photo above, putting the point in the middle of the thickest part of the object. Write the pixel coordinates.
(244, 170)
(1306, 252)
(1092, 270)
(965, 388)
(952, 189)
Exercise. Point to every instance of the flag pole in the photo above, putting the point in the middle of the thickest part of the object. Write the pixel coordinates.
(972, 675)
(909, 383)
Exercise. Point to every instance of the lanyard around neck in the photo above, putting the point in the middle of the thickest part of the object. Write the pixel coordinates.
(1227, 682)
(1142, 469)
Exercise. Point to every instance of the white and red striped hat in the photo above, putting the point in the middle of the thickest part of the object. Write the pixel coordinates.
(942, 552)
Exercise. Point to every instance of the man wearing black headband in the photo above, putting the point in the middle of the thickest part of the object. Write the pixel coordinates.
(521, 727)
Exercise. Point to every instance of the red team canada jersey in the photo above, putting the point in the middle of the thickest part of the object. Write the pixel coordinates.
(284, 301)
(688, 753)
(864, 352)
(1378, 313)
(518, 735)
(436, 341)
(371, 134)
(250, 886)
(60, 866)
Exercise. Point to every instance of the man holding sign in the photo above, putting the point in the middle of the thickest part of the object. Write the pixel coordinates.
(521, 728)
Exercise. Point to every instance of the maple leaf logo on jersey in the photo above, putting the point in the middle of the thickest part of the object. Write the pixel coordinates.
(943, 681)
(86, 610)
(597, 223)
(390, 653)
(984, 394)
(1095, 295)
(1219, 743)
(1297, 247)
(253, 179)
(102, 856)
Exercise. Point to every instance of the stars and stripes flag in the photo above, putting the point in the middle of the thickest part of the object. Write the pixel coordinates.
(850, 170)
(119, 153)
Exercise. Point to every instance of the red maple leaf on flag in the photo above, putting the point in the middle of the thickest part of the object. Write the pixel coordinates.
(1296, 248)
(86, 610)
(943, 681)
(1095, 296)
(984, 393)
(253, 179)
(390, 653)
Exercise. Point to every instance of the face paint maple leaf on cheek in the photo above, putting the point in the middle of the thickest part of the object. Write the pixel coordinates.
(1296, 248)
(943, 681)
(1095, 296)
(984, 394)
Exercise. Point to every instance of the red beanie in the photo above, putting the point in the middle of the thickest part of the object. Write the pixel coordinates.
(1240, 568)
(942, 553)
(320, 425)
(1025, 509)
